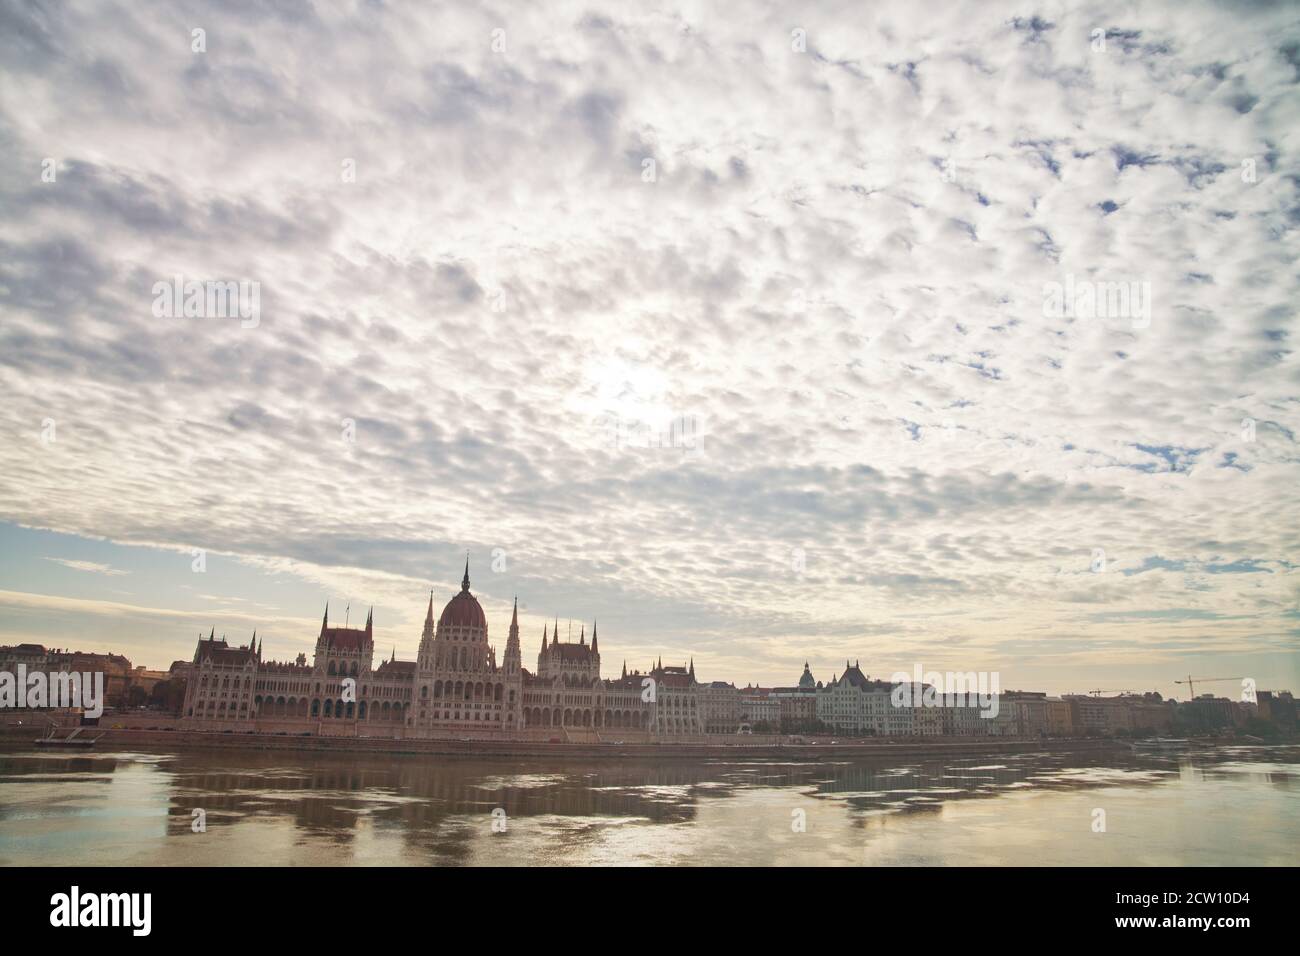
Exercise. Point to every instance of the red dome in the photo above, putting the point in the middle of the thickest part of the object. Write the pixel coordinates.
(463, 611)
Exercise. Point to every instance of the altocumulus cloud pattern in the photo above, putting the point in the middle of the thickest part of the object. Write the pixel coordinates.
(726, 324)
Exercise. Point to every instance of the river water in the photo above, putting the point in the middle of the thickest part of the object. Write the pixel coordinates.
(1224, 806)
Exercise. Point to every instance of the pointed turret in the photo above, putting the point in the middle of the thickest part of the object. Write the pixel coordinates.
(595, 646)
(511, 661)
(464, 582)
(625, 668)
(427, 634)
(692, 671)
(370, 621)
(582, 636)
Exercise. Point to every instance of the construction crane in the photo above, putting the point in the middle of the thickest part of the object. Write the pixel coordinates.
(1191, 682)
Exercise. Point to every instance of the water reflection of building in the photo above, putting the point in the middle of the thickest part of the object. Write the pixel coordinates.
(455, 684)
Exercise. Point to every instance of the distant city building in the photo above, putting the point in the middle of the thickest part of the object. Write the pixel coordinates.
(1278, 708)
(1149, 713)
(1060, 722)
(146, 680)
(797, 706)
(759, 710)
(116, 669)
(967, 719)
(1122, 714)
(1207, 713)
(719, 707)
(855, 704)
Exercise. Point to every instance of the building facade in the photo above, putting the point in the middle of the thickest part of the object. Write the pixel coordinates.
(759, 710)
(720, 707)
(119, 676)
(455, 685)
(461, 685)
(797, 706)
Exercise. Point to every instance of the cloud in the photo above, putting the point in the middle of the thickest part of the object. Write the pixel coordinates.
(652, 301)
(92, 566)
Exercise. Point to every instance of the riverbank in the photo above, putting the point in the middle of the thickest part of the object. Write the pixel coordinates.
(730, 748)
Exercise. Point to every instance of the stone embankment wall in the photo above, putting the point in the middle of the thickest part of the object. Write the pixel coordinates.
(124, 738)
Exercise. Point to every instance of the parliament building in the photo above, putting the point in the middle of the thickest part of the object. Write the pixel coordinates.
(455, 686)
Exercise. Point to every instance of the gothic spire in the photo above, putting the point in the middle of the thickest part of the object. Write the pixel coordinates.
(464, 582)
(511, 660)
(595, 647)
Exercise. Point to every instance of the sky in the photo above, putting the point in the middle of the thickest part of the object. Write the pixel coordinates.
(758, 334)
